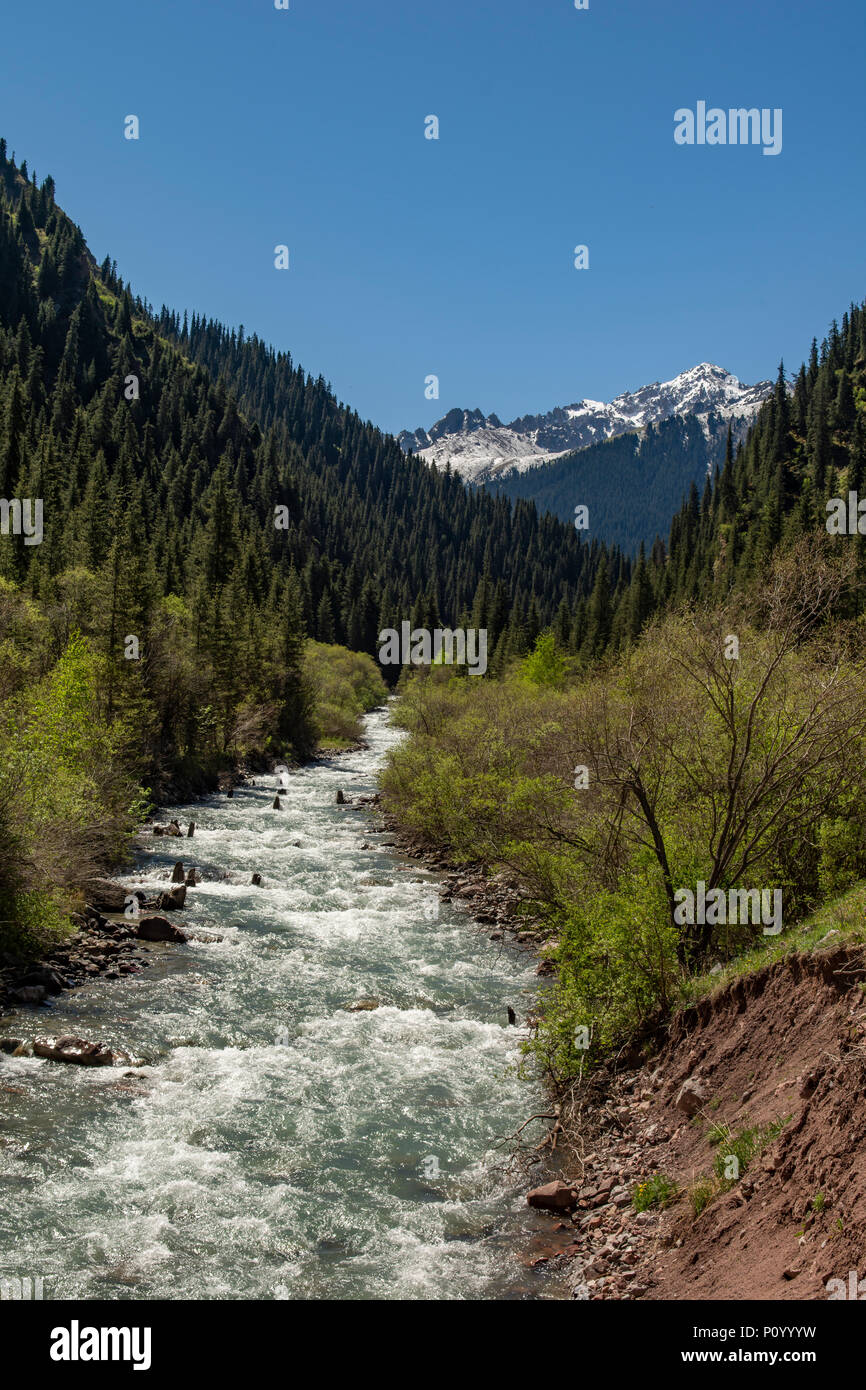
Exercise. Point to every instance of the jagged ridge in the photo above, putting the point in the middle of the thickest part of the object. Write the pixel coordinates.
(480, 447)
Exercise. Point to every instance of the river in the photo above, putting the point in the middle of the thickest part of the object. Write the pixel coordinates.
(276, 1145)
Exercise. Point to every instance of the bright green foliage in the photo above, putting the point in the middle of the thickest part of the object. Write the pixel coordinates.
(743, 773)
(66, 805)
(347, 685)
(544, 665)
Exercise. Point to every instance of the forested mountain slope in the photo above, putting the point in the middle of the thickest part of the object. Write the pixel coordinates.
(173, 491)
(804, 449)
(181, 508)
(631, 485)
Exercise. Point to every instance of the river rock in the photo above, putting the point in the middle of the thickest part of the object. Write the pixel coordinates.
(158, 929)
(28, 994)
(553, 1196)
(190, 831)
(78, 1050)
(691, 1096)
(341, 800)
(49, 979)
(276, 806)
(173, 900)
(105, 895)
(256, 881)
(361, 1006)
(177, 873)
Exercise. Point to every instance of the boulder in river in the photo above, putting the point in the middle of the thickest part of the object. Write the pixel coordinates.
(341, 800)
(173, 900)
(362, 1006)
(553, 1196)
(276, 806)
(190, 831)
(158, 929)
(177, 873)
(78, 1050)
(256, 881)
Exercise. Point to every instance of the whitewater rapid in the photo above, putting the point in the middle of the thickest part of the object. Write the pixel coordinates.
(276, 1145)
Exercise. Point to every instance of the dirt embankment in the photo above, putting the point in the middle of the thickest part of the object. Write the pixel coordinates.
(779, 1056)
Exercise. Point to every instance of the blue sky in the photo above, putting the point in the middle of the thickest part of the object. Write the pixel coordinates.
(454, 257)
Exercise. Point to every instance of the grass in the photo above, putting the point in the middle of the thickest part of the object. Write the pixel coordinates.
(701, 1194)
(742, 1148)
(657, 1191)
(845, 915)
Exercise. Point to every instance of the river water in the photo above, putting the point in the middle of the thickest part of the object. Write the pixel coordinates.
(275, 1145)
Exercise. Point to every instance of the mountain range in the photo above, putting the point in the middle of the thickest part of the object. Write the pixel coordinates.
(481, 448)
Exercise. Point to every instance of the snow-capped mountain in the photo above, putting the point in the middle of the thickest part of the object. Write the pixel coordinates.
(480, 447)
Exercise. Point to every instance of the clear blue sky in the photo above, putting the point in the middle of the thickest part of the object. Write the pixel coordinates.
(411, 257)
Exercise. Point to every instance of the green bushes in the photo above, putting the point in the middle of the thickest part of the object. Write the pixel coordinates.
(609, 792)
(75, 745)
(842, 843)
(545, 665)
(344, 685)
(737, 1151)
(67, 806)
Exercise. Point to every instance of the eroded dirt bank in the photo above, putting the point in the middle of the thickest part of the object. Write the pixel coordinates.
(785, 1044)
(779, 1055)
